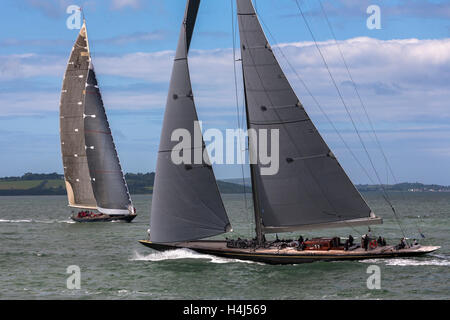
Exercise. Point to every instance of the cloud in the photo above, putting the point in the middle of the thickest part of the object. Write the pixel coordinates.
(35, 43)
(357, 8)
(139, 37)
(136, 37)
(399, 80)
(25, 66)
(51, 8)
(57, 8)
(120, 4)
(423, 9)
(403, 83)
(388, 73)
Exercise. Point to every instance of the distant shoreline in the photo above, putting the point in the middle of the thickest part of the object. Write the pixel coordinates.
(33, 184)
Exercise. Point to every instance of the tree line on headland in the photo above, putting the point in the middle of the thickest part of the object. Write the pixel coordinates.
(53, 184)
(142, 183)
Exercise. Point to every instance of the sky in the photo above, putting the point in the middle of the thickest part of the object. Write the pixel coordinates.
(402, 72)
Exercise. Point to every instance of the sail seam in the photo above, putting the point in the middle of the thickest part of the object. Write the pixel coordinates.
(286, 107)
(278, 122)
(95, 131)
(323, 155)
(268, 90)
(171, 150)
(258, 65)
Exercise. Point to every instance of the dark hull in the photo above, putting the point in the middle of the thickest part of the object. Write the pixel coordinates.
(288, 256)
(105, 218)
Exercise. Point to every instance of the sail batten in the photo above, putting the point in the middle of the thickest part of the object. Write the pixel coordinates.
(310, 188)
(186, 201)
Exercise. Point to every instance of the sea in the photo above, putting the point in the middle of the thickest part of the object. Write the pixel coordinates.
(40, 247)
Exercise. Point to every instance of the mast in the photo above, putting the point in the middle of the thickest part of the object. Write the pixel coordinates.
(256, 210)
(310, 189)
(186, 202)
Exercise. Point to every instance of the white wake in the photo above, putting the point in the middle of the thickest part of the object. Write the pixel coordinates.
(182, 254)
(402, 262)
(15, 221)
(34, 221)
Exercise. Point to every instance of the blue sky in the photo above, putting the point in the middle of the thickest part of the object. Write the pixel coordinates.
(402, 71)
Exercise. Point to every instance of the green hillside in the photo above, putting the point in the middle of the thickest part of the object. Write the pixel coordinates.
(142, 183)
(53, 184)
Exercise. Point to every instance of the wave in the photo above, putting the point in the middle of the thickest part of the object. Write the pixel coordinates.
(440, 256)
(16, 221)
(404, 262)
(183, 254)
(34, 221)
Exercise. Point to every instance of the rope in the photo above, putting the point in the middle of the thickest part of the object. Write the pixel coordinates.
(385, 195)
(388, 166)
(357, 92)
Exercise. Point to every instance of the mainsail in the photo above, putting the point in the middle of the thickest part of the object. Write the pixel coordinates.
(76, 170)
(93, 174)
(310, 190)
(186, 201)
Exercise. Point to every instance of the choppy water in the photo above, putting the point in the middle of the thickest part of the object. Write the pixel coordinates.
(38, 242)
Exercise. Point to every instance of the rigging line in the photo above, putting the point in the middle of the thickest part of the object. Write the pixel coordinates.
(388, 166)
(418, 227)
(319, 106)
(233, 30)
(385, 196)
(357, 93)
(82, 13)
(344, 221)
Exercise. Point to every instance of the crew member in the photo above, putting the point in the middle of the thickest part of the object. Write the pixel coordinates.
(350, 240)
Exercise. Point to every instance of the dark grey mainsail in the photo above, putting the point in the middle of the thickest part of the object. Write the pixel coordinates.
(186, 202)
(310, 190)
(108, 182)
(76, 170)
(94, 178)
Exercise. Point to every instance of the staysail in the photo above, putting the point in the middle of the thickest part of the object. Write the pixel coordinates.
(186, 201)
(94, 177)
(76, 169)
(310, 190)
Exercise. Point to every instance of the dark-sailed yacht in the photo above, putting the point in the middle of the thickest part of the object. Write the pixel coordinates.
(93, 175)
(310, 190)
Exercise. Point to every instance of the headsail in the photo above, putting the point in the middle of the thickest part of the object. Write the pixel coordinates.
(186, 201)
(108, 182)
(76, 170)
(311, 190)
